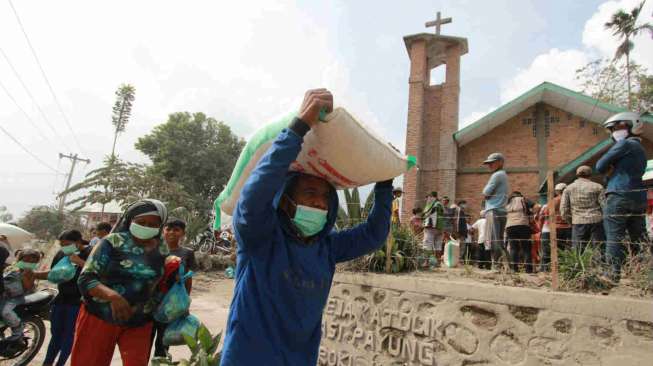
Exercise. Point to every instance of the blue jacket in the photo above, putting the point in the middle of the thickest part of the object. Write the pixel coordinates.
(629, 160)
(282, 284)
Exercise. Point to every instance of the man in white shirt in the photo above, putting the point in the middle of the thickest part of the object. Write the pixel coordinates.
(482, 249)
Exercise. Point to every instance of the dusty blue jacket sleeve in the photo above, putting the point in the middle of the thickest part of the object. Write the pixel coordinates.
(254, 217)
(607, 160)
(368, 236)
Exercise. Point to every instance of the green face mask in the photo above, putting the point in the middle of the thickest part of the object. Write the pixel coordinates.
(69, 249)
(309, 220)
(27, 265)
(143, 232)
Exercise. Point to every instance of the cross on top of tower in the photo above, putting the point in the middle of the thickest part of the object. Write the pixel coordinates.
(437, 23)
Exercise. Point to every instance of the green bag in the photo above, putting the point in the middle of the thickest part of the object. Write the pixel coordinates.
(63, 271)
(176, 302)
(175, 331)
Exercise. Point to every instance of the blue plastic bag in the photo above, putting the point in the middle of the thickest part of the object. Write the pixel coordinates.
(176, 302)
(63, 271)
(175, 331)
(229, 272)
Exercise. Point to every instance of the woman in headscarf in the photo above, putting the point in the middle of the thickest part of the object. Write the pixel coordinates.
(118, 284)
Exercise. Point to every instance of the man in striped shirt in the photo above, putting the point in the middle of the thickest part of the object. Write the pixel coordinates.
(581, 204)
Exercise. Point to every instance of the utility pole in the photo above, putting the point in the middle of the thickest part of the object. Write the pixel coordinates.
(62, 195)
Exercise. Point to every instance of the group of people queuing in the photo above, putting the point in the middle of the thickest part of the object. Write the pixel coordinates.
(514, 229)
(121, 275)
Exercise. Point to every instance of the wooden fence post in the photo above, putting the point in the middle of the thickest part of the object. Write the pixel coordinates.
(388, 253)
(552, 227)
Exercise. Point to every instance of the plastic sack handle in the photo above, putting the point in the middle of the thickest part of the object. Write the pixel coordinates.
(183, 277)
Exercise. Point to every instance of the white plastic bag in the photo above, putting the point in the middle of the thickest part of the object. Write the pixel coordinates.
(340, 150)
(451, 255)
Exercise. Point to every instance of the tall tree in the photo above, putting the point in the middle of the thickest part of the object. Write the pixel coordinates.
(606, 81)
(194, 150)
(122, 111)
(125, 183)
(645, 93)
(46, 223)
(624, 25)
(5, 215)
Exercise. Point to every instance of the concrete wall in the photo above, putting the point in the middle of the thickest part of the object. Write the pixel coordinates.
(373, 319)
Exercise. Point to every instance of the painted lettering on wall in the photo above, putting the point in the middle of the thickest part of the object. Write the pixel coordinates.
(370, 330)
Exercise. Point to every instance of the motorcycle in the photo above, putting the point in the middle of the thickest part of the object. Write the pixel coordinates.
(32, 312)
(212, 246)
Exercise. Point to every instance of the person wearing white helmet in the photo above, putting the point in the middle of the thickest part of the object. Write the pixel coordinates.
(625, 208)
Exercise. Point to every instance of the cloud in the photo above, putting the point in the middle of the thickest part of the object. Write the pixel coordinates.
(559, 66)
(555, 66)
(475, 116)
(243, 63)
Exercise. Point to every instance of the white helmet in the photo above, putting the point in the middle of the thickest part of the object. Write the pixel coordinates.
(631, 119)
(560, 187)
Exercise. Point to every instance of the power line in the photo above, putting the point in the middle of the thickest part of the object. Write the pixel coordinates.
(31, 121)
(47, 81)
(28, 151)
(29, 93)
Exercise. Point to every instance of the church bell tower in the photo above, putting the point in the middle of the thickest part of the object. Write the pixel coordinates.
(432, 115)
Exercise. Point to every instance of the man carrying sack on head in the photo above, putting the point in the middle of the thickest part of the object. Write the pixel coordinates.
(287, 251)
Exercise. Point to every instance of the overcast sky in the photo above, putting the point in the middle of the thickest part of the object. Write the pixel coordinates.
(246, 62)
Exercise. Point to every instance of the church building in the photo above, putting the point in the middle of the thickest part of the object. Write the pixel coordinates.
(547, 128)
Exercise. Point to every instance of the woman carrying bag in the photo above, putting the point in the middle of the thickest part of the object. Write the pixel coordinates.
(119, 284)
(63, 314)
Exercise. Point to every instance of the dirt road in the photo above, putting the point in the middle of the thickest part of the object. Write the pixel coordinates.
(211, 298)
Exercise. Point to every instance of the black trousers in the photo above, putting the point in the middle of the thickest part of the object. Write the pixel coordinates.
(519, 239)
(583, 234)
(564, 238)
(467, 254)
(160, 350)
(483, 256)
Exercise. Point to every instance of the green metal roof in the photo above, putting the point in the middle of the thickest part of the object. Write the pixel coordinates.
(568, 100)
(582, 158)
(570, 168)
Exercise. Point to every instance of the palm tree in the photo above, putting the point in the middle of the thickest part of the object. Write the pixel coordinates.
(624, 26)
(122, 111)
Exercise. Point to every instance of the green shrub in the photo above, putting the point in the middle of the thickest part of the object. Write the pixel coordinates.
(581, 270)
(203, 347)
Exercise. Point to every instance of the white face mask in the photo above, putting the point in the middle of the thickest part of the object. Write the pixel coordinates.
(619, 135)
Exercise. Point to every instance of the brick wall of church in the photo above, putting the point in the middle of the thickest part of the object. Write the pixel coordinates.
(571, 135)
(431, 128)
(514, 140)
(429, 180)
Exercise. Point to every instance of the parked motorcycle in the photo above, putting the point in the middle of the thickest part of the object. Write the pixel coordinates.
(212, 246)
(33, 312)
